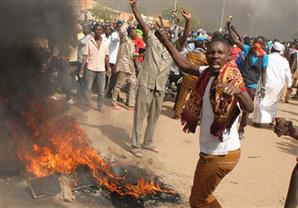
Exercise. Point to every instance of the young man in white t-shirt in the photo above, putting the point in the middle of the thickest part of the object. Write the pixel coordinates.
(114, 48)
(217, 156)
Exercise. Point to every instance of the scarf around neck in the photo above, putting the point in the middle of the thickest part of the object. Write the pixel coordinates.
(224, 106)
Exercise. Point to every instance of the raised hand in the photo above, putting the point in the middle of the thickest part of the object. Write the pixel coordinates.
(229, 20)
(186, 14)
(132, 2)
(160, 31)
(174, 15)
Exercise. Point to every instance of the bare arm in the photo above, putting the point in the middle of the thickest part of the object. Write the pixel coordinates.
(124, 28)
(143, 25)
(107, 65)
(234, 37)
(183, 64)
(236, 32)
(246, 103)
(107, 61)
(84, 61)
(187, 15)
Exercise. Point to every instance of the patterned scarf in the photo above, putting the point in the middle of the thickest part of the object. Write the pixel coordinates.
(224, 106)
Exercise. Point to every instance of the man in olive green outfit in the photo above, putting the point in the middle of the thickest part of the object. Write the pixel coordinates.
(151, 84)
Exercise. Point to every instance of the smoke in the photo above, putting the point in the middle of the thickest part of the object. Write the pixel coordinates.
(271, 18)
(29, 31)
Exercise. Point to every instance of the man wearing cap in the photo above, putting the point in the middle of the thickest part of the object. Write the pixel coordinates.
(253, 69)
(125, 67)
(277, 74)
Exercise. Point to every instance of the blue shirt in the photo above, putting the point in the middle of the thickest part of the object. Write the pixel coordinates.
(254, 60)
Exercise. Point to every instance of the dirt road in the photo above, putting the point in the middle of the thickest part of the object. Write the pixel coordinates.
(260, 179)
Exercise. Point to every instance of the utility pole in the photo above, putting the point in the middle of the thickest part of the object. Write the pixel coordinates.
(175, 8)
(222, 14)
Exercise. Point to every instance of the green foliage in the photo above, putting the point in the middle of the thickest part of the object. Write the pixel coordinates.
(101, 12)
(295, 35)
(195, 22)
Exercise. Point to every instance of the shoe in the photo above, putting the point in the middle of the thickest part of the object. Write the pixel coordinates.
(152, 149)
(137, 152)
(116, 106)
(241, 135)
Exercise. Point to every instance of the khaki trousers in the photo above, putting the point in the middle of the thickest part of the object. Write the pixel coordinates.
(122, 79)
(211, 169)
(147, 102)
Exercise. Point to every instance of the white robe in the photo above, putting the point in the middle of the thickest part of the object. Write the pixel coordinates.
(278, 73)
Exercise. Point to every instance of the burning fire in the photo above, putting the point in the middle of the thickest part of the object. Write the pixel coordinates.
(61, 146)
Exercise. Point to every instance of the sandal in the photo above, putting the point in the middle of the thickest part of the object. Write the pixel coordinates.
(152, 149)
(137, 152)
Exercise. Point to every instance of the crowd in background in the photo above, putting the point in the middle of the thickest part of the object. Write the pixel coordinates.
(196, 40)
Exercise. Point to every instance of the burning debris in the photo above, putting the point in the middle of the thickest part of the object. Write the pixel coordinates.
(65, 147)
(82, 181)
(67, 184)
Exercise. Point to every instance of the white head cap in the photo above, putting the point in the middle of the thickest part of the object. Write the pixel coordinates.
(279, 47)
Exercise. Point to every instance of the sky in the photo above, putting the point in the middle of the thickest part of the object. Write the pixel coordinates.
(271, 18)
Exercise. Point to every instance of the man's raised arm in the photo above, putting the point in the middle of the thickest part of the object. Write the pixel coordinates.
(143, 25)
(183, 64)
(234, 35)
(187, 16)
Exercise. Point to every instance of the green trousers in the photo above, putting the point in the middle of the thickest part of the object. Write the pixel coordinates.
(148, 102)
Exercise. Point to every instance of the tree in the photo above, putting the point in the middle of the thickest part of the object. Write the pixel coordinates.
(101, 12)
(167, 14)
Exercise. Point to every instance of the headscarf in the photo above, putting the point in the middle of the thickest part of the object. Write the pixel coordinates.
(258, 49)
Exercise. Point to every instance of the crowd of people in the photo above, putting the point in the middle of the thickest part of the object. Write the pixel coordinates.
(223, 77)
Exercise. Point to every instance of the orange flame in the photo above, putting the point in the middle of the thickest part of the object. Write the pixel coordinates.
(61, 146)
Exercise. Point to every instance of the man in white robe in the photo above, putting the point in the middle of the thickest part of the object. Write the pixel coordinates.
(278, 73)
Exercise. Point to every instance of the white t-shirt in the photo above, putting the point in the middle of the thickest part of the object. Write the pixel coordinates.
(114, 47)
(106, 39)
(210, 144)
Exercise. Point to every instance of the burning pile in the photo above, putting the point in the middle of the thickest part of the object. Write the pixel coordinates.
(61, 146)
